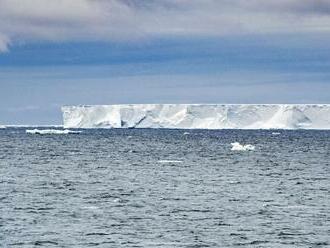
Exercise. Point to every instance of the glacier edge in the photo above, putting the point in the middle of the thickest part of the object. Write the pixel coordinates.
(198, 116)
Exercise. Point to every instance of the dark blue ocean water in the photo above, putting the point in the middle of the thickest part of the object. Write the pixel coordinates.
(112, 188)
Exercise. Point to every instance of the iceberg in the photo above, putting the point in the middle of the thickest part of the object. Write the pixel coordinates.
(199, 116)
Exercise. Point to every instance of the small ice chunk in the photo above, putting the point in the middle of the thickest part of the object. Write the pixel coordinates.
(276, 133)
(51, 131)
(238, 147)
(186, 133)
(169, 161)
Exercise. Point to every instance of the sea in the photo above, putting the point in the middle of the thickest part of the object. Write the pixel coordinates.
(164, 188)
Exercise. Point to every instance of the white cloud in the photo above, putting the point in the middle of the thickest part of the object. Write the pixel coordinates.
(66, 20)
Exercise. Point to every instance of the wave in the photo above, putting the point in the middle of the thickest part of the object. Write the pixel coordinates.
(51, 131)
(236, 146)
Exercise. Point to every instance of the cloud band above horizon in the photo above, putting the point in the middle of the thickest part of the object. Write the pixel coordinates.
(24, 21)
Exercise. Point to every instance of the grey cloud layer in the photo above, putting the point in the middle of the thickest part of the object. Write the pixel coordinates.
(65, 20)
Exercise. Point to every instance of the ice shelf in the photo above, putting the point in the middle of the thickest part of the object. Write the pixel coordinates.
(199, 116)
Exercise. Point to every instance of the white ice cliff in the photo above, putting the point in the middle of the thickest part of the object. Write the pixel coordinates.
(199, 116)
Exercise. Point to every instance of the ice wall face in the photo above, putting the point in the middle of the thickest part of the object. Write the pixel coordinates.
(199, 116)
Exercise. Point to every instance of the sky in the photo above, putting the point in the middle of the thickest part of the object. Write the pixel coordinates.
(64, 52)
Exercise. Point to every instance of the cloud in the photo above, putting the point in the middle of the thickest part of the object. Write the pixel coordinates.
(108, 20)
(4, 42)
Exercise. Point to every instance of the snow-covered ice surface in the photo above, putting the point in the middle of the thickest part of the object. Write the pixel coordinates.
(199, 116)
(51, 131)
(236, 146)
(2, 127)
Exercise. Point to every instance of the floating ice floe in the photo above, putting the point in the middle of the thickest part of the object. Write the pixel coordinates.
(51, 131)
(2, 127)
(186, 133)
(169, 161)
(238, 147)
(276, 133)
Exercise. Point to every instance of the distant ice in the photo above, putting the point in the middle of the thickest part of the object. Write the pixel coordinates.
(51, 131)
(238, 147)
(199, 116)
(276, 133)
(186, 133)
(169, 161)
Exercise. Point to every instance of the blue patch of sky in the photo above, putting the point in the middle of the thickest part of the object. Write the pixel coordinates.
(36, 79)
(199, 55)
